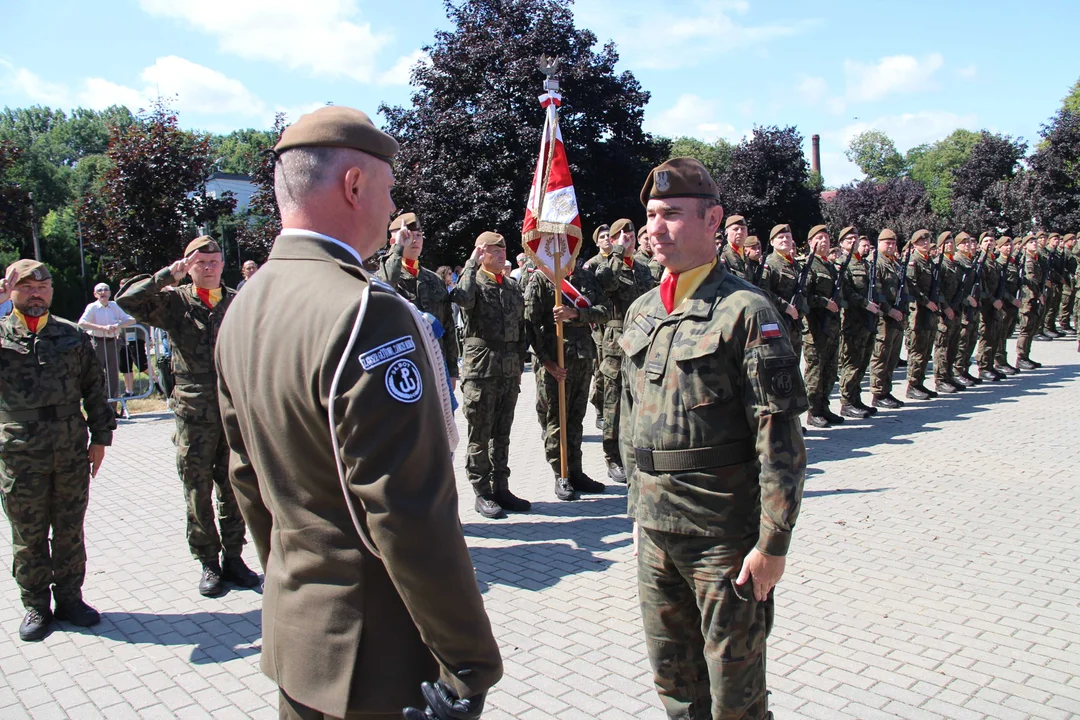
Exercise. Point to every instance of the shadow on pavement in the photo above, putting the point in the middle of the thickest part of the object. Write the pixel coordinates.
(217, 636)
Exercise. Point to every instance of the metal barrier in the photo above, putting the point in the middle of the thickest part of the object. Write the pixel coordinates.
(135, 350)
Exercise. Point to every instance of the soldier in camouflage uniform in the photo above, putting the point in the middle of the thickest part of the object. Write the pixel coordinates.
(890, 325)
(645, 255)
(821, 335)
(733, 256)
(1054, 286)
(579, 353)
(623, 280)
(47, 367)
(991, 310)
(191, 315)
(400, 268)
(494, 353)
(1071, 266)
(602, 239)
(919, 277)
(972, 257)
(947, 342)
(1009, 269)
(754, 265)
(1032, 298)
(859, 326)
(711, 399)
(780, 281)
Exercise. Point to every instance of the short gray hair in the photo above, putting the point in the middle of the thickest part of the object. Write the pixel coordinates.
(301, 171)
(101, 286)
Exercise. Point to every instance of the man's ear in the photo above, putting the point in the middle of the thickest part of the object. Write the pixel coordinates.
(353, 185)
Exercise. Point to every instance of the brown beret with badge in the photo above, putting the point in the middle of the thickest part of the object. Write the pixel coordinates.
(341, 127)
(886, 234)
(1068, 237)
(678, 177)
(751, 242)
(735, 220)
(817, 229)
(849, 230)
(487, 238)
(777, 229)
(408, 220)
(30, 270)
(962, 237)
(622, 225)
(1002, 241)
(917, 236)
(203, 244)
(943, 238)
(642, 231)
(599, 229)
(986, 234)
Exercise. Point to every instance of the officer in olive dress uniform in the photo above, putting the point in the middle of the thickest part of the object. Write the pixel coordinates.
(338, 414)
(712, 398)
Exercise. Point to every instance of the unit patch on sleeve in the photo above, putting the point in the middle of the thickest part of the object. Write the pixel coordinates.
(403, 381)
(770, 330)
(387, 352)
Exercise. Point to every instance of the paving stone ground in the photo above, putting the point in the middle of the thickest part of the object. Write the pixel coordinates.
(933, 575)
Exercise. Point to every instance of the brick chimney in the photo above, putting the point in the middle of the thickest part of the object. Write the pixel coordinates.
(815, 154)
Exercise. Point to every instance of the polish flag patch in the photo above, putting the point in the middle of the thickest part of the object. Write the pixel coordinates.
(770, 331)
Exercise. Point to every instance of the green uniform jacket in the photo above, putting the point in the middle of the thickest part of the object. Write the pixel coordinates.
(342, 630)
(56, 368)
(1010, 274)
(780, 280)
(919, 277)
(856, 291)
(494, 335)
(952, 275)
(820, 286)
(621, 285)
(735, 263)
(719, 373)
(656, 270)
(193, 330)
(889, 285)
(429, 294)
(1033, 282)
(540, 323)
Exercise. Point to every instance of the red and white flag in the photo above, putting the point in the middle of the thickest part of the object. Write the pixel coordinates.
(551, 234)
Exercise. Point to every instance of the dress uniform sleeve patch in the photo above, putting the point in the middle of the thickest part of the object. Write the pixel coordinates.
(387, 352)
(403, 381)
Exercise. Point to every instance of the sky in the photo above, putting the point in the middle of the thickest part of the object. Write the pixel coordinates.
(916, 70)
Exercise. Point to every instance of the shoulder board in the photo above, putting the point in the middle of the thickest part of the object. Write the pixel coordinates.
(377, 284)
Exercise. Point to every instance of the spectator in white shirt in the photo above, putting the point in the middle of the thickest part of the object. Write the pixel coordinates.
(102, 319)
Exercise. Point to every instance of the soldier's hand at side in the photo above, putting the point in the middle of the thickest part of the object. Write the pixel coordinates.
(931, 306)
(556, 372)
(453, 384)
(792, 311)
(832, 306)
(96, 454)
(997, 305)
(873, 308)
(896, 315)
(565, 313)
(766, 570)
(971, 301)
(949, 313)
(1016, 302)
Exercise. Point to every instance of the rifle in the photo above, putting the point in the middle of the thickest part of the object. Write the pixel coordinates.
(902, 299)
(838, 282)
(1001, 281)
(800, 287)
(961, 289)
(871, 296)
(760, 269)
(935, 277)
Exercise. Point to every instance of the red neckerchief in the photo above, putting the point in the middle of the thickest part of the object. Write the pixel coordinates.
(667, 290)
(204, 295)
(629, 261)
(411, 266)
(32, 322)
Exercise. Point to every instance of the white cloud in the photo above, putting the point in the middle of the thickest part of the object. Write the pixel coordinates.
(969, 72)
(890, 75)
(98, 94)
(200, 89)
(399, 73)
(691, 36)
(323, 37)
(691, 116)
(21, 81)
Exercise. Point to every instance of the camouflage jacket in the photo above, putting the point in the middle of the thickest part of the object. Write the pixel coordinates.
(621, 285)
(54, 368)
(718, 377)
(1072, 267)
(192, 329)
(428, 293)
(856, 283)
(820, 287)
(736, 263)
(889, 286)
(656, 270)
(989, 282)
(952, 275)
(494, 336)
(779, 280)
(1034, 275)
(540, 321)
(919, 276)
(1009, 270)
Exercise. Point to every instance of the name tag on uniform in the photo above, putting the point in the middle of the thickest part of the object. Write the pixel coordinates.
(387, 352)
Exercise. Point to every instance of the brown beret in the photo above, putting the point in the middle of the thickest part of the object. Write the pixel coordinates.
(886, 234)
(918, 235)
(1068, 237)
(986, 234)
(777, 229)
(1001, 241)
(816, 229)
(619, 225)
(642, 231)
(1041, 234)
(679, 177)
(203, 243)
(735, 220)
(943, 238)
(490, 238)
(751, 241)
(961, 237)
(599, 229)
(1051, 236)
(1028, 238)
(408, 220)
(338, 126)
(30, 270)
(849, 230)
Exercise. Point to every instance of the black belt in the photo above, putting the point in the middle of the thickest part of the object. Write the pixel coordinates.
(496, 345)
(49, 412)
(196, 379)
(706, 458)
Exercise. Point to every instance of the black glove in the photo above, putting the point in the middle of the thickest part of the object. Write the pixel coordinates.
(444, 705)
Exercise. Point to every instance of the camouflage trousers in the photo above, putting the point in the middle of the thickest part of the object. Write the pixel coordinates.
(596, 398)
(990, 329)
(887, 344)
(920, 341)
(1053, 307)
(1029, 323)
(611, 370)
(704, 636)
(969, 335)
(1008, 326)
(855, 350)
(1068, 305)
(489, 410)
(45, 481)
(202, 459)
(946, 345)
(578, 374)
(822, 353)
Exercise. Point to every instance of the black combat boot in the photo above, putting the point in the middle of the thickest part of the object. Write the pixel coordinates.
(236, 571)
(917, 392)
(817, 421)
(887, 401)
(863, 406)
(961, 380)
(210, 583)
(76, 612)
(616, 472)
(564, 490)
(508, 500)
(487, 507)
(831, 417)
(971, 378)
(850, 411)
(901, 363)
(1025, 364)
(35, 626)
(585, 484)
(989, 376)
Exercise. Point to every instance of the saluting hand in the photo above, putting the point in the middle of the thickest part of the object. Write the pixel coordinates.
(179, 269)
(8, 283)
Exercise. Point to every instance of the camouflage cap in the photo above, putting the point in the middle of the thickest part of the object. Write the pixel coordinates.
(1002, 241)
(817, 229)
(408, 220)
(679, 177)
(204, 244)
(490, 238)
(599, 229)
(620, 225)
(338, 126)
(30, 270)
(777, 229)
(849, 230)
(751, 241)
(943, 238)
(735, 220)
(886, 234)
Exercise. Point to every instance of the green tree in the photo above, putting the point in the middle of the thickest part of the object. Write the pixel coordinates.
(471, 136)
(241, 151)
(978, 203)
(1055, 168)
(876, 155)
(1072, 100)
(899, 204)
(933, 166)
(261, 222)
(715, 156)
